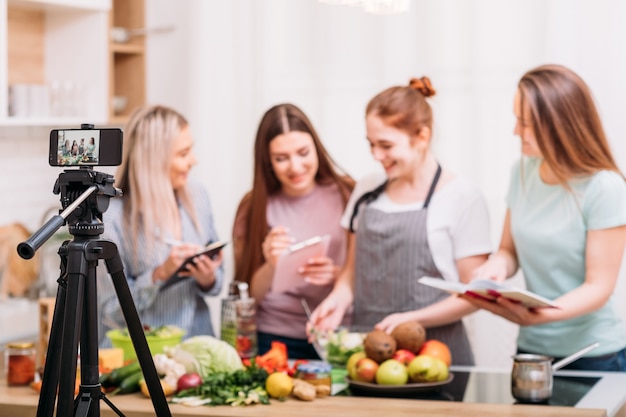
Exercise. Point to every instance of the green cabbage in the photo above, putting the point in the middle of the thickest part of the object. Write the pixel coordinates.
(206, 355)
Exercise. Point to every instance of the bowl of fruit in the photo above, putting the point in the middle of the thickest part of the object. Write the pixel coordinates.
(400, 363)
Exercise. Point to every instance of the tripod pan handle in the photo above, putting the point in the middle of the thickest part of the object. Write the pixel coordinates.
(27, 249)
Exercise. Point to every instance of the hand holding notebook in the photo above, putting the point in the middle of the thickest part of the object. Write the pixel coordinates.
(211, 250)
(489, 290)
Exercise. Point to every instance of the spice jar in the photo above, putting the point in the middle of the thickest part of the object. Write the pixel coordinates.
(20, 363)
(315, 373)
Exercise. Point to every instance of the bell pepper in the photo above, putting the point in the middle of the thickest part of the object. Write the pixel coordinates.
(275, 359)
(294, 368)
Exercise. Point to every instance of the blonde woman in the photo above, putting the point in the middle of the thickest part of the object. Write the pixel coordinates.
(162, 218)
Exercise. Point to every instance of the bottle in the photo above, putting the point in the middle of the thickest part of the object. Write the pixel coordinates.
(316, 373)
(20, 363)
(238, 327)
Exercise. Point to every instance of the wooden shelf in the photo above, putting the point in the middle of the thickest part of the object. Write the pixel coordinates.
(125, 48)
(37, 85)
(127, 60)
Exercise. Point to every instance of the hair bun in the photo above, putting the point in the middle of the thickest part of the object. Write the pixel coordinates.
(422, 85)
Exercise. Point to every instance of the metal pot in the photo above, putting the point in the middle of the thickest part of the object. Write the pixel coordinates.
(531, 377)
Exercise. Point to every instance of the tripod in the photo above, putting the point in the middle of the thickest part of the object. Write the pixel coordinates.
(85, 196)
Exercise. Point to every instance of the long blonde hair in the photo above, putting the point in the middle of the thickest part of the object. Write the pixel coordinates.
(144, 174)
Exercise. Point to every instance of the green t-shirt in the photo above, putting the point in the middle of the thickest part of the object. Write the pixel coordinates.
(549, 225)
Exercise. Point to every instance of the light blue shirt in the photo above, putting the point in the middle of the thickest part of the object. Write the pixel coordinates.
(549, 225)
(182, 304)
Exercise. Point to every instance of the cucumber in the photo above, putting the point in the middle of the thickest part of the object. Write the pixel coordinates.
(129, 384)
(105, 380)
(119, 374)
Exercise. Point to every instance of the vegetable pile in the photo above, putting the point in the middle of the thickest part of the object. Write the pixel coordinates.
(204, 370)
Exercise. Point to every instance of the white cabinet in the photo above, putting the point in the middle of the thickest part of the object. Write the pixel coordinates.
(54, 62)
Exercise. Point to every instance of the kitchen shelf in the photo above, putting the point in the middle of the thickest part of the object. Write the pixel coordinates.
(127, 61)
(59, 65)
(53, 62)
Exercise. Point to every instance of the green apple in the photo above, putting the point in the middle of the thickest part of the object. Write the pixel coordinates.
(392, 372)
(352, 361)
(443, 371)
(423, 368)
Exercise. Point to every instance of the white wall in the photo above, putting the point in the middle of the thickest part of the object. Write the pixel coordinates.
(228, 61)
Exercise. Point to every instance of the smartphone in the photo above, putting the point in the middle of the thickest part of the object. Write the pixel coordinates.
(74, 147)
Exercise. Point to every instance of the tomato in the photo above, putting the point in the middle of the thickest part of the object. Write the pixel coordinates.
(243, 344)
(437, 349)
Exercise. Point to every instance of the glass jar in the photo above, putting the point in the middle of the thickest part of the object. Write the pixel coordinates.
(20, 363)
(315, 373)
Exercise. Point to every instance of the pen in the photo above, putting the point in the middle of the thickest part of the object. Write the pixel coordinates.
(173, 242)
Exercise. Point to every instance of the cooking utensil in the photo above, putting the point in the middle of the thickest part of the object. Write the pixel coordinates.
(531, 377)
(321, 352)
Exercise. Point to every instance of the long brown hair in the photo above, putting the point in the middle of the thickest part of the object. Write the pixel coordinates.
(565, 122)
(277, 120)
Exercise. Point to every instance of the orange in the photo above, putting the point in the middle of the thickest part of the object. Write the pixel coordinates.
(437, 349)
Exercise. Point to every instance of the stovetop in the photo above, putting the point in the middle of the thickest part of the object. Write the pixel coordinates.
(495, 388)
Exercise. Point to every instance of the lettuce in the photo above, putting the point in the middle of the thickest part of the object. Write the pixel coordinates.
(206, 355)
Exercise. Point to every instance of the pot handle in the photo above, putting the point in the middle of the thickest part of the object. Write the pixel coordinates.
(571, 358)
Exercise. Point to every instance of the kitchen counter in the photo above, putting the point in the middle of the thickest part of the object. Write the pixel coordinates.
(22, 402)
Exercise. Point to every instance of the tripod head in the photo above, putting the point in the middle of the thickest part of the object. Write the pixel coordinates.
(86, 218)
(85, 193)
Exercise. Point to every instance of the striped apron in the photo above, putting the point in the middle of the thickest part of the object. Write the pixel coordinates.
(392, 253)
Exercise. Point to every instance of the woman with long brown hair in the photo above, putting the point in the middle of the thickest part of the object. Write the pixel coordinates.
(565, 225)
(297, 193)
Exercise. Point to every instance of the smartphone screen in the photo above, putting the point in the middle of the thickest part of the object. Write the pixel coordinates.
(73, 147)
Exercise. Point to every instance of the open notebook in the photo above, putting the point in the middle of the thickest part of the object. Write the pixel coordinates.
(489, 290)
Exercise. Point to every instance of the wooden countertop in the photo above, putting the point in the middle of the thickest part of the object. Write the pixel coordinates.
(22, 402)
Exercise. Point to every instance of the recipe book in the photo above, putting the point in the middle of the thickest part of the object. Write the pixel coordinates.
(489, 290)
(211, 250)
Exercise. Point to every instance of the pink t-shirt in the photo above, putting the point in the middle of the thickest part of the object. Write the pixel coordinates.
(317, 213)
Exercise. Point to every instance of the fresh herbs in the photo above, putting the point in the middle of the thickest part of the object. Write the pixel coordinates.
(241, 387)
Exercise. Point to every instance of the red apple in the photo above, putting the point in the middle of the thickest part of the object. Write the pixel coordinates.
(189, 380)
(366, 370)
(403, 356)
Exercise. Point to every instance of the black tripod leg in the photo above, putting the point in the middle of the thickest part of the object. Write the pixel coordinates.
(52, 367)
(77, 272)
(87, 402)
(135, 328)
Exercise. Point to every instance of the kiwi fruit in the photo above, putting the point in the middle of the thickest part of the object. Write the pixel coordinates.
(410, 335)
(379, 345)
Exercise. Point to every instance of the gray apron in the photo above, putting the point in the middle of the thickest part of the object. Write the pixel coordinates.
(393, 252)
